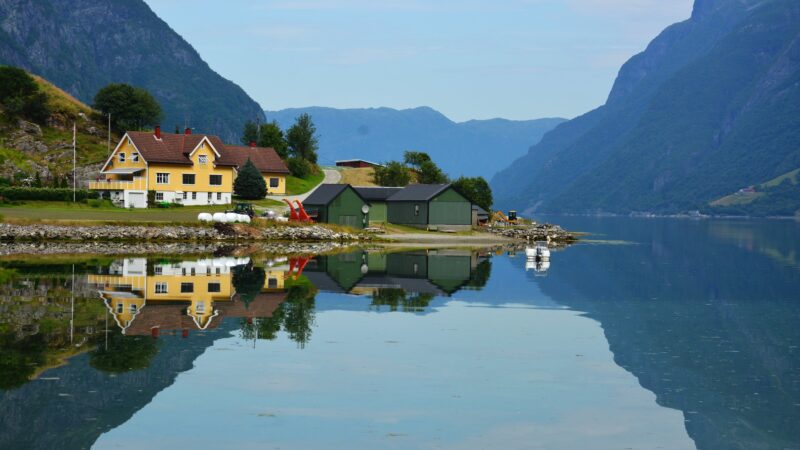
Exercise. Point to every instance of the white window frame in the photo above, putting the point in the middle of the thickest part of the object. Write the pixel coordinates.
(219, 195)
(162, 287)
(162, 180)
(211, 183)
(194, 195)
(121, 157)
(183, 179)
(135, 157)
(202, 159)
(217, 285)
(159, 196)
(158, 270)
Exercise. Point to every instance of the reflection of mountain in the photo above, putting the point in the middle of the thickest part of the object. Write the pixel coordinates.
(76, 403)
(433, 272)
(711, 329)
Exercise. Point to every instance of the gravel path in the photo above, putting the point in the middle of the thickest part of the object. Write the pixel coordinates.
(331, 177)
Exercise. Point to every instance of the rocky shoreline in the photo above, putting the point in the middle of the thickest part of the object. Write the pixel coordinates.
(170, 233)
(166, 248)
(540, 232)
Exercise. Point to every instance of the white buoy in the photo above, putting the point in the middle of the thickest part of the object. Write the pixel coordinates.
(205, 217)
(219, 217)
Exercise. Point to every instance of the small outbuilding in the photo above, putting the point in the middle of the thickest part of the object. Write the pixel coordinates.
(377, 197)
(430, 206)
(338, 204)
(357, 163)
(480, 216)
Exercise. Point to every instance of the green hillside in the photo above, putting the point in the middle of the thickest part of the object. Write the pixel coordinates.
(712, 105)
(28, 148)
(779, 196)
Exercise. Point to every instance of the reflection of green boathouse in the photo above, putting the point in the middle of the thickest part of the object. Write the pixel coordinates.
(438, 272)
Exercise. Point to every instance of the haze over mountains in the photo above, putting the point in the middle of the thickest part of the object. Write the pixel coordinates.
(475, 147)
(711, 106)
(82, 45)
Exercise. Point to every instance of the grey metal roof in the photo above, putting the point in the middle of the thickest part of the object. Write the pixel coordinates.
(479, 209)
(377, 193)
(418, 192)
(324, 194)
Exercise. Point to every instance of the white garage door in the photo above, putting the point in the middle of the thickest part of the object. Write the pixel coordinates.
(137, 200)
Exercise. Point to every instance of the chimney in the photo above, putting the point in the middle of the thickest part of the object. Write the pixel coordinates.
(157, 132)
(187, 131)
(253, 144)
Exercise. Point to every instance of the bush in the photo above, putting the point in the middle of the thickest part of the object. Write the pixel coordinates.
(21, 97)
(16, 193)
(250, 184)
(299, 167)
(94, 202)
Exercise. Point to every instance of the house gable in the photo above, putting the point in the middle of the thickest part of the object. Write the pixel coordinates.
(127, 146)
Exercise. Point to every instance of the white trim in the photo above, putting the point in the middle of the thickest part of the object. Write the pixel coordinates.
(205, 139)
(111, 156)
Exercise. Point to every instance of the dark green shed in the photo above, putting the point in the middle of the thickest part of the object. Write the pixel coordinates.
(430, 205)
(338, 204)
(377, 196)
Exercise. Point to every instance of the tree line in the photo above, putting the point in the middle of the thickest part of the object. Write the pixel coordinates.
(419, 167)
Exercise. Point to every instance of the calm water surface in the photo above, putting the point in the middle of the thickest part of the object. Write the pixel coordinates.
(668, 334)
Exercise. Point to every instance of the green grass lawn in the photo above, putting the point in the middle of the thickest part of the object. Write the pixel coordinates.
(296, 185)
(63, 211)
(264, 202)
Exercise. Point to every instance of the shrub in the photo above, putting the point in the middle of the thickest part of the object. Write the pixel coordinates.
(94, 202)
(50, 194)
(299, 167)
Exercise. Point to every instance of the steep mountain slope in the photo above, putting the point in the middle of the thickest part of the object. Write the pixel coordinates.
(476, 147)
(712, 105)
(82, 45)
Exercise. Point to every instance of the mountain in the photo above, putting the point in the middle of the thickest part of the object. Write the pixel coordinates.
(711, 106)
(476, 147)
(82, 45)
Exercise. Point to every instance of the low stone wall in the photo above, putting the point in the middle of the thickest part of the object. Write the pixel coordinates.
(166, 248)
(139, 233)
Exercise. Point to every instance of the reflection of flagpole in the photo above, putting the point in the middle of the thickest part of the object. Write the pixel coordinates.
(106, 333)
(72, 307)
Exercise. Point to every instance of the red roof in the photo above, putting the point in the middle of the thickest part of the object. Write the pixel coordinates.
(176, 148)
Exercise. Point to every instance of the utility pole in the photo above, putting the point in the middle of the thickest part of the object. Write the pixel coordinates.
(74, 158)
(109, 134)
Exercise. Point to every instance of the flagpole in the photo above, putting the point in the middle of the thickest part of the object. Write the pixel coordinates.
(74, 158)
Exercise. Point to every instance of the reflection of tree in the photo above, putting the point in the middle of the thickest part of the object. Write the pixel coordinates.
(248, 281)
(480, 276)
(19, 358)
(124, 353)
(299, 310)
(295, 315)
(398, 299)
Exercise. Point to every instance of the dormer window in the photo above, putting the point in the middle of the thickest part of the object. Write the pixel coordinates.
(122, 157)
(202, 159)
(135, 157)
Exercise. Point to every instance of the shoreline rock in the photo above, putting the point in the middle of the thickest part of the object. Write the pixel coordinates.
(540, 232)
(170, 233)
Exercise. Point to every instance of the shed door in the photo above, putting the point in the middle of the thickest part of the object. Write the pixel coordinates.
(350, 221)
(137, 200)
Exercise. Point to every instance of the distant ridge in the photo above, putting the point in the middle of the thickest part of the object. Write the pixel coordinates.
(475, 147)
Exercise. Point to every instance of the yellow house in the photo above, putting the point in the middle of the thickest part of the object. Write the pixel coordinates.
(191, 169)
(188, 289)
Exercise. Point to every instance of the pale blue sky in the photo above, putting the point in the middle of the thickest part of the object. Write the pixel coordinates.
(470, 59)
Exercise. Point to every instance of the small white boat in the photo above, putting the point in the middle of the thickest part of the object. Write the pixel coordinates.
(538, 252)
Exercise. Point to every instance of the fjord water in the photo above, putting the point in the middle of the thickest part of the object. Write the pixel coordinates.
(652, 333)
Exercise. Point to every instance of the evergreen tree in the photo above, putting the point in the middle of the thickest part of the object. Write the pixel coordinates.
(249, 184)
(271, 135)
(249, 133)
(302, 140)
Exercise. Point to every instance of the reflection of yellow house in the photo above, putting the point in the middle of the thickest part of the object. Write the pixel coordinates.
(193, 286)
(190, 169)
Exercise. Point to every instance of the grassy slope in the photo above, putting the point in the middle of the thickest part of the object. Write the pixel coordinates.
(359, 177)
(777, 196)
(296, 185)
(58, 211)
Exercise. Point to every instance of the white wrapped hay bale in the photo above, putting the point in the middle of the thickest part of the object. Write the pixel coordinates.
(220, 217)
(205, 217)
